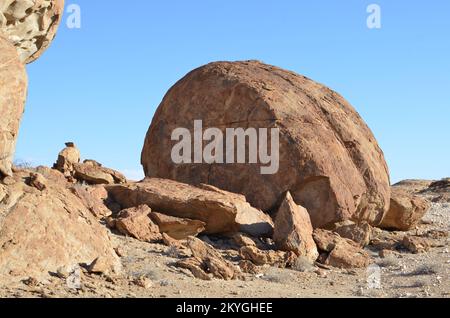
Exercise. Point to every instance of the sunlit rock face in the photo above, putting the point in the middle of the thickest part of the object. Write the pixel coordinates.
(30, 25)
(13, 91)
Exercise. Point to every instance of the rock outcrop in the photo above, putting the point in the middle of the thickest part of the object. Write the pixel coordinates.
(44, 229)
(13, 91)
(30, 25)
(221, 211)
(67, 158)
(293, 230)
(90, 171)
(136, 222)
(405, 212)
(329, 159)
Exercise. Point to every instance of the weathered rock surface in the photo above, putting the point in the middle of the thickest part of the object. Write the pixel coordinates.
(416, 244)
(95, 198)
(67, 158)
(177, 228)
(92, 172)
(329, 159)
(13, 91)
(30, 25)
(340, 252)
(405, 212)
(293, 230)
(207, 262)
(221, 211)
(40, 231)
(136, 222)
(267, 257)
(360, 233)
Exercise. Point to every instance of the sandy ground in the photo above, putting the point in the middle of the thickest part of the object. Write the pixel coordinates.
(399, 275)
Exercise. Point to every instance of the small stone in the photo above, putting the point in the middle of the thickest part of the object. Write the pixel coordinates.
(143, 282)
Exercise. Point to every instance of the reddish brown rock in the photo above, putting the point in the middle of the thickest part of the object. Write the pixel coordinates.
(42, 231)
(269, 257)
(360, 233)
(53, 175)
(340, 252)
(249, 268)
(67, 158)
(136, 222)
(38, 181)
(293, 230)
(221, 211)
(30, 25)
(329, 159)
(416, 244)
(92, 172)
(13, 91)
(207, 262)
(405, 212)
(177, 228)
(194, 265)
(243, 240)
(94, 198)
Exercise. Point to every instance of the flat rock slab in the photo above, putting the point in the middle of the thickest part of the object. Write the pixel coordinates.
(221, 211)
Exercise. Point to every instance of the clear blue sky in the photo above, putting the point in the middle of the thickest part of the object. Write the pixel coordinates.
(100, 85)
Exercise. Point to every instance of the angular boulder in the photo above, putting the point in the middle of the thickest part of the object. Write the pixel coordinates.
(13, 92)
(177, 228)
(207, 261)
(405, 212)
(95, 198)
(328, 158)
(30, 25)
(360, 233)
(67, 158)
(267, 257)
(41, 231)
(293, 230)
(221, 211)
(340, 252)
(92, 172)
(136, 222)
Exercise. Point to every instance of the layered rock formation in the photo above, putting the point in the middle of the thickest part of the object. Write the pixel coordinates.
(221, 211)
(30, 25)
(329, 159)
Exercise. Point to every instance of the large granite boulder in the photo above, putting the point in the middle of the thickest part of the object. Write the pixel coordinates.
(329, 160)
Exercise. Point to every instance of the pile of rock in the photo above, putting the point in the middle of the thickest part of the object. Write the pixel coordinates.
(320, 208)
(90, 171)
